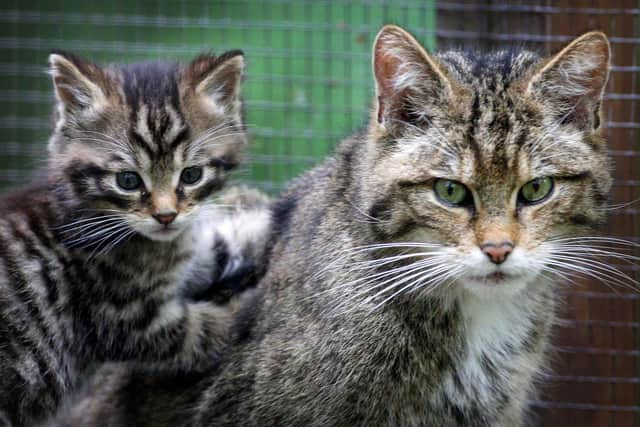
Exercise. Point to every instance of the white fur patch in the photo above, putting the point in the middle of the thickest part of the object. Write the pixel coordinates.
(170, 312)
(491, 328)
(244, 229)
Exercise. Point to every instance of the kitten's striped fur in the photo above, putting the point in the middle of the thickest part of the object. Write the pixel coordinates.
(90, 271)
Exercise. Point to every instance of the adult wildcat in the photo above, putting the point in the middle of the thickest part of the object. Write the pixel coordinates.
(408, 280)
(93, 258)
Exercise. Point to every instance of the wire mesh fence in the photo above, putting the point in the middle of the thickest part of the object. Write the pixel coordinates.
(309, 78)
(309, 85)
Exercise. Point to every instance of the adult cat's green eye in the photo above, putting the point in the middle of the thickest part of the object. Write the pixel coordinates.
(191, 175)
(451, 192)
(536, 190)
(128, 180)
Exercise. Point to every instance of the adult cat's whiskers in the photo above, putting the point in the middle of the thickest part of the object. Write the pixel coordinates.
(418, 284)
(379, 262)
(579, 255)
(589, 240)
(430, 264)
(618, 206)
(362, 285)
(551, 274)
(343, 256)
(419, 273)
(597, 251)
(597, 270)
(393, 245)
(374, 264)
(563, 271)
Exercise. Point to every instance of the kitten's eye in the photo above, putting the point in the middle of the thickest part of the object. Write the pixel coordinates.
(452, 192)
(191, 175)
(128, 180)
(536, 190)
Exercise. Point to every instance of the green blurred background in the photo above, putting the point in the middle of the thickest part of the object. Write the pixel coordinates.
(308, 80)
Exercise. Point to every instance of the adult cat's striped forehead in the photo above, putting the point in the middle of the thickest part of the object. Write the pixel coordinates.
(489, 69)
(483, 124)
(505, 131)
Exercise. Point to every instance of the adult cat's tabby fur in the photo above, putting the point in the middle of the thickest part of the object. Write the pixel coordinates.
(91, 260)
(386, 303)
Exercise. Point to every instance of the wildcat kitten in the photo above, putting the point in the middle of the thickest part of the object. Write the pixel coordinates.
(93, 258)
(407, 283)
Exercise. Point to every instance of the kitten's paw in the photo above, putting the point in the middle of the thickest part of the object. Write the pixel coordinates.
(212, 328)
(231, 248)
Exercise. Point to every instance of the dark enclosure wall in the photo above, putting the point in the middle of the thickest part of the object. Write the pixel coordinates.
(309, 85)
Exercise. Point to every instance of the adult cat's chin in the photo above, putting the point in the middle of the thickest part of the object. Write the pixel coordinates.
(495, 285)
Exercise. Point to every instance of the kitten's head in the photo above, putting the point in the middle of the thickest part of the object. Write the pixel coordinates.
(143, 146)
(493, 156)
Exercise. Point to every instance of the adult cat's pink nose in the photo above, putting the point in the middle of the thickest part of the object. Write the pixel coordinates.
(497, 252)
(165, 218)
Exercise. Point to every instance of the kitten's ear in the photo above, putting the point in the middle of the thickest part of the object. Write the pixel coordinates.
(78, 84)
(407, 78)
(572, 82)
(218, 79)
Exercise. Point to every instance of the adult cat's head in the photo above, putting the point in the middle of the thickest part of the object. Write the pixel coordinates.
(142, 146)
(492, 157)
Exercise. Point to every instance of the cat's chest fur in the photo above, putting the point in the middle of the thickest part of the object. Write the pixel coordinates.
(495, 340)
(472, 364)
(142, 265)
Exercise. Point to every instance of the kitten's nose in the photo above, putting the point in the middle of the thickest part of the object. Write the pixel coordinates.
(497, 252)
(165, 218)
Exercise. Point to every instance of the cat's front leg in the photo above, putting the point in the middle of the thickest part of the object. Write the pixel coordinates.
(210, 328)
(180, 335)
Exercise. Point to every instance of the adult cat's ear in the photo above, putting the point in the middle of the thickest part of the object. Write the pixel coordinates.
(571, 83)
(218, 79)
(407, 78)
(78, 84)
